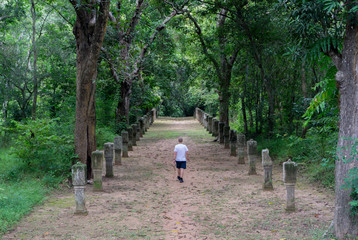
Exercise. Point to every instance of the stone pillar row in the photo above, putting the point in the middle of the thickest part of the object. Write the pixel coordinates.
(238, 146)
(112, 155)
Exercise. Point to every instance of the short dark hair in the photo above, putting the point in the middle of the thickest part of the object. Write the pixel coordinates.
(180, 140)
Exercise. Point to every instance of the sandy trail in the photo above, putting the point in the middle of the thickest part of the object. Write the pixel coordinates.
(218, 200)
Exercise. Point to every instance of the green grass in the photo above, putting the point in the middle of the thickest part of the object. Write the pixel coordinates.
(18, 192)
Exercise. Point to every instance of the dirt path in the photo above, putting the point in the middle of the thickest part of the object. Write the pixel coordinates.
(217, 200)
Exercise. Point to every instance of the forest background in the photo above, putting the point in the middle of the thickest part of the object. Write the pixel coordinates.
(264, 67)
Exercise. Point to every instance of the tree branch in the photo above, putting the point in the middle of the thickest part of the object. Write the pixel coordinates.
(5, 17)
(139, 61)
(111, 65)
(135, 19)
(203, 44)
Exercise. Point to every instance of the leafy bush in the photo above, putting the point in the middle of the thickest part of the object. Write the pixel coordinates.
(106, 134)
(45, 146)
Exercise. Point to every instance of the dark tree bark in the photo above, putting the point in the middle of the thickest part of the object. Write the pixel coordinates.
(346, 226)
(265, 79)
(34, 52)
(132, 67)
(223, 67)
(89, 30)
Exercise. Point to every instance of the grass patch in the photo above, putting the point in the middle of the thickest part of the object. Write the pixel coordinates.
(18, 192)
(18, 199)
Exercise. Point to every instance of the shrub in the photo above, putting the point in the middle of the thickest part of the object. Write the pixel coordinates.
(45, 146)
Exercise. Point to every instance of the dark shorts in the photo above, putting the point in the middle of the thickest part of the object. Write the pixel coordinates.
(181, 164)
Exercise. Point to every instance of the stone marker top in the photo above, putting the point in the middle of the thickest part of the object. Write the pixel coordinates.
(289, 172)
(117, 142)
(266, 159)
(241, 139)
(97, 159)
(125, 136)
(108, 150)
(251, 147)
(79, 174)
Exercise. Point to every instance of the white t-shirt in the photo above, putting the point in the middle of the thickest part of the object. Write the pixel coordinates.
(180, 149)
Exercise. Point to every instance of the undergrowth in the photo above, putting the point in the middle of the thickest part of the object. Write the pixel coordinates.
(315, 154)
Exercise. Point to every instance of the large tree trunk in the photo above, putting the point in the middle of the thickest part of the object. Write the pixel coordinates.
(89, 31)
(346, 226)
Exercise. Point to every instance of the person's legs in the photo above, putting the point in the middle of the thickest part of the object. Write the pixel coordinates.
(181, 172)
(178, 173)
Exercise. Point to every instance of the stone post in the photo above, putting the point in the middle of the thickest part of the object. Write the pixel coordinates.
(206, 121)
(97, 167)
(153, 115)
(130, 138)
(210, 124)
(125, 144)
(201, 117)
(79, 183)
(289, 178)
(141, 127)
(233, 142)
(117, 150)
(227, 137)
(215, 128)
(138, 132)
(267, 165)
(221, 132)
(145, 121)
(251, 153)
(108, 155)
(134, 139)
(241, 148)
(196, 114)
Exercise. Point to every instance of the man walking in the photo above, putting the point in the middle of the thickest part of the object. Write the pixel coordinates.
(180, 157)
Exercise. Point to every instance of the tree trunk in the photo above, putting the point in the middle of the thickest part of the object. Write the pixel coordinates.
(303, 79)
(243, 106)
(122, 111)
(34, 51)
(225, 98)
(89, 30)
(346, 226)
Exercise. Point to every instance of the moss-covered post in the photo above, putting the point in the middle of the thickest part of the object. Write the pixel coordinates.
(125, 144)
(267, 165)
(97, 166)
(138, 132)
(210, 124)
(241, 139)
(117, 150)
(153, 112)
(227, 137)
(145, 121)
(252, 155)
(79, 183)
(201, 117)
(108, 155)
(134, 139)
(215, 127)
(221, 132)
(141, 126)
(130, 138)
(289, 178)
(233, 143)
